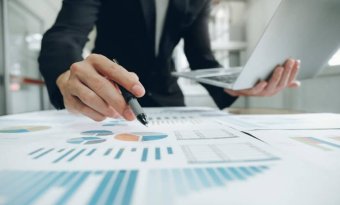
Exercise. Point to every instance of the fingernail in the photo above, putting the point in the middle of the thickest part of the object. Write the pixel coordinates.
(138, 90)
(128, 114)
(299, 63)
(290, 63)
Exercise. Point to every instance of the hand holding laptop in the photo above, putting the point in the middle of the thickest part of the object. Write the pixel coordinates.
(284, 76)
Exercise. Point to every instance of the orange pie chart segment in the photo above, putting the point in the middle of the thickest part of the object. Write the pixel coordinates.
(140, 136)
(127, 137)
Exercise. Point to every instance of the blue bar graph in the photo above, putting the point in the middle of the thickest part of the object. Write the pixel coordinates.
(190, 180)
(33, 185)
(69, 155)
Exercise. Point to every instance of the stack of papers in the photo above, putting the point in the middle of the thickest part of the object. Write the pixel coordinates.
(185, 156)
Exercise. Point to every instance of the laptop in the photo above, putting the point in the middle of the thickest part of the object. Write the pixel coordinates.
(308, 30)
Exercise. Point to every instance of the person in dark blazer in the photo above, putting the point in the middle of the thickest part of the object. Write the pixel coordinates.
(142, 39)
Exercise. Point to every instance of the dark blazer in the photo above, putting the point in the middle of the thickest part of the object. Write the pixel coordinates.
(126, 32)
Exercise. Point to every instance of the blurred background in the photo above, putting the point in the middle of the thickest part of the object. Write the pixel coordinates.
(235, 27)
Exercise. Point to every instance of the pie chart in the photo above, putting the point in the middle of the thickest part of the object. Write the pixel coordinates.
(86, 140)
(141, 136)
(97, 132)
(23, 129)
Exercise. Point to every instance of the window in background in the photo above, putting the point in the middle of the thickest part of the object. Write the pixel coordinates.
(335, 60)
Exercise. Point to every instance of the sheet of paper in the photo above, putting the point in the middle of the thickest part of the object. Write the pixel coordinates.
(283, 122)
(185, 156)
(318, 147)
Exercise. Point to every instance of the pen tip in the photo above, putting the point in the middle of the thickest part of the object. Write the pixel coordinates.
(142, 118)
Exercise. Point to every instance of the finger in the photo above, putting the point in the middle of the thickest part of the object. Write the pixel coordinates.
(129, 115)
(274, 81)
(295, 84)
(117, 73)
(75, 105)
(257, 90)
(232, 92)
(100, 85)
(90, 98)
(295, 71)
(248, 92)
(286, 74)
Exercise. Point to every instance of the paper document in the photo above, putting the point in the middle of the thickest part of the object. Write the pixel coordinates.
(283, 122)
(186, 156)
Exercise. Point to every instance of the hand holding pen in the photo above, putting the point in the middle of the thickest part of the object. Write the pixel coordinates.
(87, 88)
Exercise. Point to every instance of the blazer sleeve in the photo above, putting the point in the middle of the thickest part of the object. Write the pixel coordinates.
(63, 43)
(197, 48)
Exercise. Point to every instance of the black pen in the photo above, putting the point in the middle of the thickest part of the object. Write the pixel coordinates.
(135, 106)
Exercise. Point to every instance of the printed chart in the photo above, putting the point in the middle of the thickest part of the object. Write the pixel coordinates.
(222, 153)
(97, 133)
(68, 187)
(86, 140)
(140, 136)
(183, 182)
(23, 129)
(200, 134)
(318, 143)
(69, 155)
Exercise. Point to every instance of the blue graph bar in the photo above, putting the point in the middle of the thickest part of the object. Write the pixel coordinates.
(236, 173)
(255, 169)
(130, 188)
(170, 151)
(115, 188)
(145, 154)
(194, 185)
(180, 186)
(63, 156)
(215, 178)
(76, 155)
(246, 171)
(73, 188)
(102, 187)
(119, 153)
(225, 174)
(108, 152)
(91, 152)
(44, 153)
(36, 151)
(202, 177)
(158, 153)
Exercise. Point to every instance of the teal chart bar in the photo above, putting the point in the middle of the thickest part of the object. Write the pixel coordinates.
(31, 187)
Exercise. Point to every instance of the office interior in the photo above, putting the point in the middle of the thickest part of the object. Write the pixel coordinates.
(235, 27)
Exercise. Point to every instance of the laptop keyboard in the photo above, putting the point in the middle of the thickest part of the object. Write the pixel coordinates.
(228, 78)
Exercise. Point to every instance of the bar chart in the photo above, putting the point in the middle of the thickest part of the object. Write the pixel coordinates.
(179, 120)
(167, 185)
(69, 155)
(59, 188)
(224, 153)
(317, 143)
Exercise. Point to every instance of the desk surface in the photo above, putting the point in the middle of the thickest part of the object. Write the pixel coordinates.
(186, 156)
